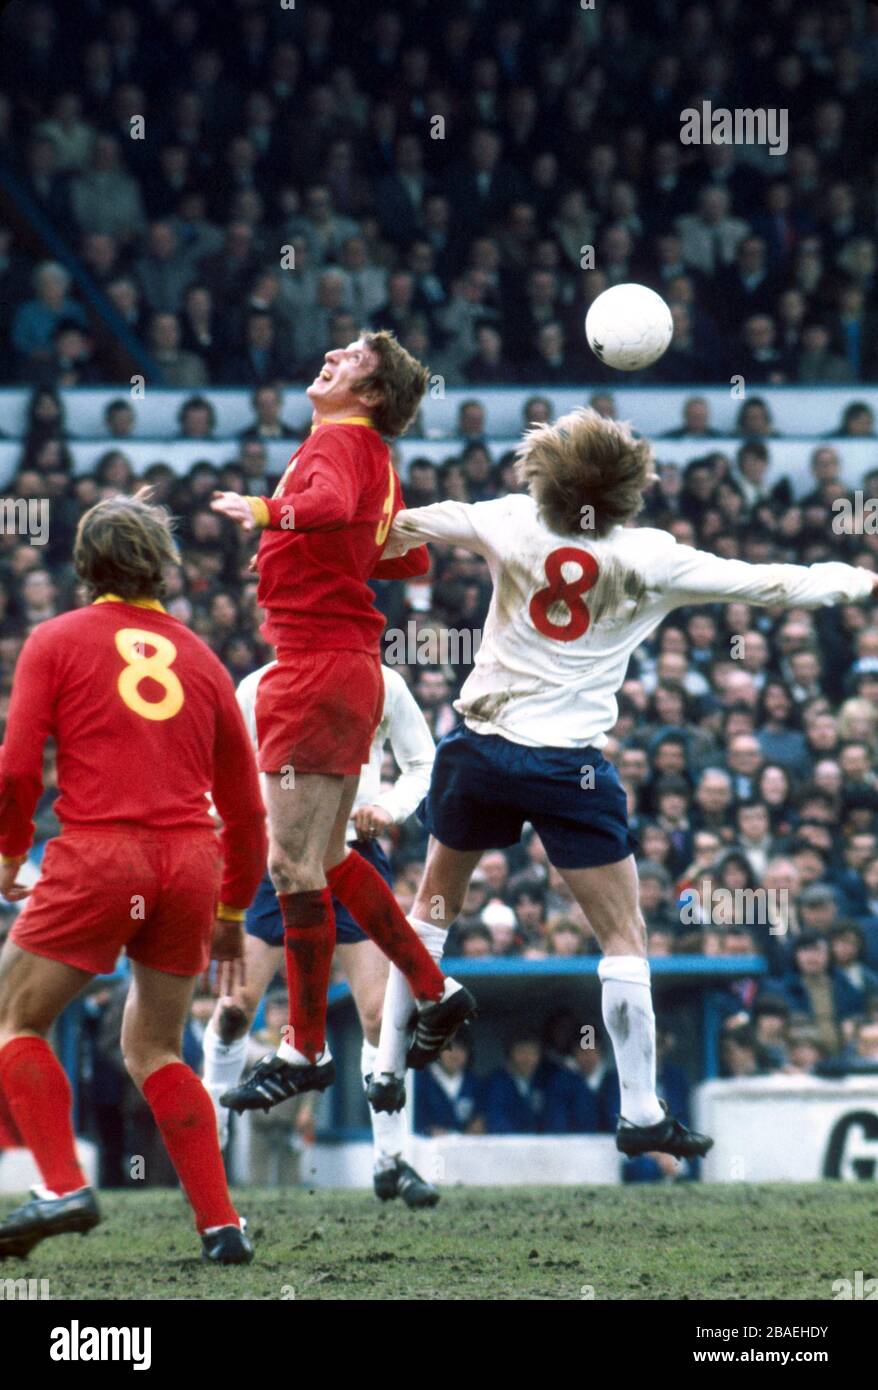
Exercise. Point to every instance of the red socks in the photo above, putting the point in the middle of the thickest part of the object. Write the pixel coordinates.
(9, 1135)
(40, 1102)
(309, 941)
(309, 938)
(37, 1093)
(185, 1117)
(362, 890)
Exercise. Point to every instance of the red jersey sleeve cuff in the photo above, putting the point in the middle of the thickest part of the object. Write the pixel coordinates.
(259, 508)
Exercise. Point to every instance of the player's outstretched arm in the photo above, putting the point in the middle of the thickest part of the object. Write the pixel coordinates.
(326, 499)
(413, 749)
(408, 566)
(696, 576)
(238, 800)
(450, 523)
(399, 565)
(21, 758)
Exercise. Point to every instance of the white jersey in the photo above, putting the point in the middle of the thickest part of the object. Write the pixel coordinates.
(402, 724)
(567, 611)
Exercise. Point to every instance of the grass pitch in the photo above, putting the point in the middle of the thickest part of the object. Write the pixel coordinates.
(737, 1242)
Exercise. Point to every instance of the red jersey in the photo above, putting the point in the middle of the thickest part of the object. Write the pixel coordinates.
(326, 527)
(145, 723)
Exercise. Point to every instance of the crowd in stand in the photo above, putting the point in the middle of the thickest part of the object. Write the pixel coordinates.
(242, 187)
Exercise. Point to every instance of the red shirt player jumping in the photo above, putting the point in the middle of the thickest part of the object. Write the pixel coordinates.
(317, 710)
(145, 724)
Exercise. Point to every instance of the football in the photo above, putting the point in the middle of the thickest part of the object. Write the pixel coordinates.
(629, 327)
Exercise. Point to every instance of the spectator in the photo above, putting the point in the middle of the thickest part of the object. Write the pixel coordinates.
(196, 418)
(817, 989)
(120, 419)
(448, 1095)
(163, 273)
(104, 198)
(36, 320)
(582, 1094)
(515, 1095)
(267, 403)
(847, 943)
(857, 422)
(178, 368)
(696, 421)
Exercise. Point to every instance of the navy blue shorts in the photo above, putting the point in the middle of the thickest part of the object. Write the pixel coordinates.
(263, 915)
(484, 788)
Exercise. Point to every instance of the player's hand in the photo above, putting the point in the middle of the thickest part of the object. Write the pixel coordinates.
(235, 507)
(227, 950)
(369, 821)
(13, 892)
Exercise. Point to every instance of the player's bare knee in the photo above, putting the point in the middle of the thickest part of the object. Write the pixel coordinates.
(626, 937)
(290, 876)
(632, 938)
(440, 909)
(370, 1020)
(139, 1065)
(17, 1023)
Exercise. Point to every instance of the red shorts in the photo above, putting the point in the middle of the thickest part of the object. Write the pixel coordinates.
(318, 711)
(151, 893)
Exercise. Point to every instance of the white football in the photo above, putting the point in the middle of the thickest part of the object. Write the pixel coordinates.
(629, 327)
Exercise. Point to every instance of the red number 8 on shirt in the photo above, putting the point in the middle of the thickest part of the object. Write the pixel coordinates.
(566, 591)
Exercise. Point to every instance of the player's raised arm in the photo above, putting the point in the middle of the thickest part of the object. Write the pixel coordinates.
(238, 800)
(21, 758)
(327, 499)
(413, 748)
(698, 576)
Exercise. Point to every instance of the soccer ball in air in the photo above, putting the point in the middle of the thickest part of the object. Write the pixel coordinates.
(629, 327)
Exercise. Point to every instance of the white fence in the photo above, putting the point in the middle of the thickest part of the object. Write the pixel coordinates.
(790, 1129)
(798, 411)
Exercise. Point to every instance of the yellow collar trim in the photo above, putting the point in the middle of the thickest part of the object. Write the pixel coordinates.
(135, 602)
(348, 420)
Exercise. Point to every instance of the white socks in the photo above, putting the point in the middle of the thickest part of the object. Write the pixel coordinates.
(626, 1003)
(399, 1004)
(223, 1062)
(388, 1131)
(298, 1059)
(223, 1065)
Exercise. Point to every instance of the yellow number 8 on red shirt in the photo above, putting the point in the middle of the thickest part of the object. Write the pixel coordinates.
(386, 513)
(130, 644)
